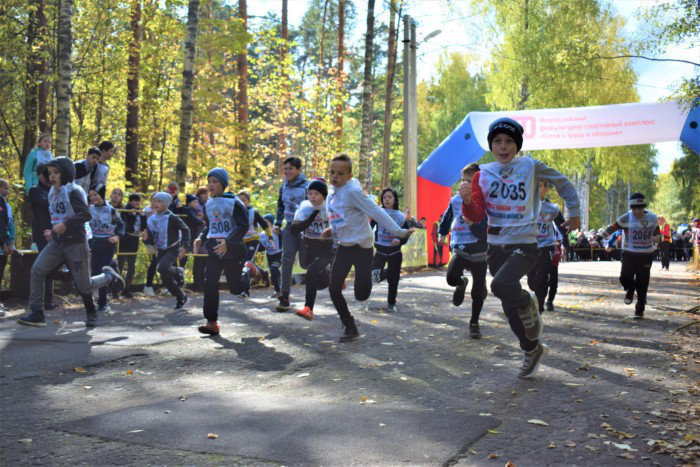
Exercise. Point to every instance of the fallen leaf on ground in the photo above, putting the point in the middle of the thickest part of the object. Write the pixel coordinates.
(25, 440)
(510, 464)
(484, 414)
(302, 375)
(590, 448)
(630, 372)
(471, 451)
(212, 436)
(551, 445)
(624, 446)
(129, 372)
(569, 444)
(494, 432)
(626, 455)
(87, 387)
(493, 456)
(135, 431)
(80, 369)
(363, 398)
(535, 421)
(183, 398)
(594, 342)
(573, 384)
(374, 321)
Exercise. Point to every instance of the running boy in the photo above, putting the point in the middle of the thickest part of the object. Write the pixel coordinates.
(107, 228)
(171, 238)
(468, 246)
(66, 243)
(505, 191)
(312, 219)
(273, 253)
(388, 247)
(226, 222)
(134, 224)
(640, 229)
(348, 208)
(292, 193)
(251, 240)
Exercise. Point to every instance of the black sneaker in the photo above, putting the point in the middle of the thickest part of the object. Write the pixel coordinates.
(639, 309)
(351, 331)
(33, 318)
(474, 331)
(458, 295)
(392, 308)
(91, 320)
(549, 306)
(629, 297)
(181, 303)
(532, 361)
(283, 305)
(244, 294)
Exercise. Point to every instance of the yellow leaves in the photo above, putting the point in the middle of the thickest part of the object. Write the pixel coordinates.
(569, 444)
(551, 445)
(618, 433)
(79, 369)
(129, 372)
(535, 421)
(494, 432)
(493, 456)
(212, 436)
(630, 372)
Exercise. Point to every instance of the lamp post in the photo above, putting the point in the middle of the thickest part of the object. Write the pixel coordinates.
(410, 112)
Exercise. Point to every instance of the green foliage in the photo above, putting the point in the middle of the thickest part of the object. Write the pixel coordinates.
(668, 202)
(686, 173)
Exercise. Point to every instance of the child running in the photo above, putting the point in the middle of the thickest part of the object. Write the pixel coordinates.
(548, 219)
(640, 230)
(134, 224)
(169, 234)
(251, 240)
(468, 246)
(505, 191)
(226, 220)
(388, 247)
(311, 218)
(66, 243)
(107, 228)
(273, 253)
(348, 208)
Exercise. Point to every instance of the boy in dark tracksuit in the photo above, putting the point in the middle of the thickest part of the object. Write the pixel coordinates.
(86, 169)
(273, 252)
(171, 238)
(226, 220)
(640, 229)
(134, 224)
(312, 219)
(292, 193)
(67, 243)
(468, 246)
(107, 228)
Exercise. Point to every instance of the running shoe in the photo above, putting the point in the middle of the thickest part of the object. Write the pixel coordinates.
(306, 313)
(629, 297)
(283, 304)
(350, 332)
(392, 308)
(33, 318)
(212, 328)
(531, 362)
(114, 275)
(474, 331)
(550, 306)
(181, 302)
(104, 309)
(91, 320)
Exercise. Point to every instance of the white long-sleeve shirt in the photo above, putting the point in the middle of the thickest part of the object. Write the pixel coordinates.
(348, 209)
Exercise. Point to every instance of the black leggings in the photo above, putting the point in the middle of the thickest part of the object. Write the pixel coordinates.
(538, 277)
(232, 267)
(345, 258)
(665, 248)
(553, 283)
(319, 254)
(274, 262)
(635, 272)
(166, 263)
(151, 272)
(455, 270)
(508, 264)
(392, 274)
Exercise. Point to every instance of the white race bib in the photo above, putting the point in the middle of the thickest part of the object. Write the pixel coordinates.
(508, 192)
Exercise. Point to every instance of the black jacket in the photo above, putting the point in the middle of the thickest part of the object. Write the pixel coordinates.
(39, 202)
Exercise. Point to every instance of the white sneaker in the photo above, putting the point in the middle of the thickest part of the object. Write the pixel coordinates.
(531, 362)
(149, 291)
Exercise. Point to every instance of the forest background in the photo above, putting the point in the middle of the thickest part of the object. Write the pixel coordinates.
(183, 86)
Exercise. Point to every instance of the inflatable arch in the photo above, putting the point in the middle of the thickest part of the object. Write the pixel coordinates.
(567, 128)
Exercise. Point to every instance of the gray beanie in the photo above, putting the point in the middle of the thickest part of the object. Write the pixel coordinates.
(163, 197)
(221, 175)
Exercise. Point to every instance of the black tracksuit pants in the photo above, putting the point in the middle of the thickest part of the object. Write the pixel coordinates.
(345, 258)
(635, 273)
(274, 262)
(102, 254)
(455, 270)
(231, 267)
(166, 265)
(538, 277)
(319, 254)
(508, 264)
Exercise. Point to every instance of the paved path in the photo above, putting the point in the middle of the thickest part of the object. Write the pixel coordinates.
(144, 388)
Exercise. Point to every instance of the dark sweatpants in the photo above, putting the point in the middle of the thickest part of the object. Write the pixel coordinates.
(538, 277)
(455, 271)
(167, 268)
(508, 264)
(345, 258)
(101, 254)
(274, 262)
(232, 267)
(319, 254)
(635, 272)
(392, 274)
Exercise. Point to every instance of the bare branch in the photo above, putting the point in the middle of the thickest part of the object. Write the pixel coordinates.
(647, 58)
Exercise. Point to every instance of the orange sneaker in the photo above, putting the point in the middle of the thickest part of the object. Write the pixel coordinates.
(306, 313)
(254, 272)
(212, 328)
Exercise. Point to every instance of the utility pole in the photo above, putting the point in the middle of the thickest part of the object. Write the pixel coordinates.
(410, 115)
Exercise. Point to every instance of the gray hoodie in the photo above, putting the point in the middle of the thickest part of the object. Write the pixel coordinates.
(349, 210)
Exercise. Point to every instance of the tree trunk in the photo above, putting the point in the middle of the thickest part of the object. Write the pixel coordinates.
(131, 161)
(63, 89)
(366, 131)
(282, 135)
(389, 95)
(243, 89)
(186, 104)
(42, 67)
(30, 95)
(341, 59)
